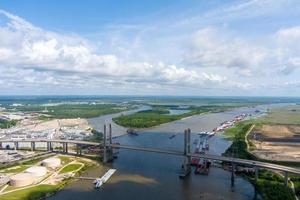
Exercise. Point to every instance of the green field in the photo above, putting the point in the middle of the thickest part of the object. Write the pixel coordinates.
(73, 110)
(238, 147)
(159, 115)
(283, 115)
(33, 193)
(7, 123)
(70, 168)
(15, 169)
(65, 159)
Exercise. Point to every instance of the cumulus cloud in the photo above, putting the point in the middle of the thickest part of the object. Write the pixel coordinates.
(216, 48)
(31, 56)
(200, 58)
(211, 48)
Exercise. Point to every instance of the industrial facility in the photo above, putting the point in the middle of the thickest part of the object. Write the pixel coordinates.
(34, 174)
(51, 162)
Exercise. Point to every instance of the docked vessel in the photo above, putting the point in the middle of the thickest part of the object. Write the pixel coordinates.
(132, 131)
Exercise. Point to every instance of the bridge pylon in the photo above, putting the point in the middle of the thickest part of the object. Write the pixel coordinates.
(186, 166)
(107, 141)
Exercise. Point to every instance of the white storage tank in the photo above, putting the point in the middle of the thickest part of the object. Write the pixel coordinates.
(37, 171)
(51, 162)
(21, 180)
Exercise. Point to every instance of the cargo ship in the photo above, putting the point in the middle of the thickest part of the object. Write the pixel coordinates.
(228, 124)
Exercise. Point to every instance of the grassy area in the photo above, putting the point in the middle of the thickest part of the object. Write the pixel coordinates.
(282, 115)
(270, 185)
(296, 181)
(73, 110)
(15, 169)
(238, 147)
(7, 123)
(158, 115)
(144, 119)
(65, 159)
(33, 193)
(70, 168)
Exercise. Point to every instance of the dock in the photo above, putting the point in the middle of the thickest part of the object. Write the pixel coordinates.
(100, 181)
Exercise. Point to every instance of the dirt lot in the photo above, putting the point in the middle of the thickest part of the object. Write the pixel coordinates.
(277, 142)
(57, 123)
(279, 131)
(277, 151)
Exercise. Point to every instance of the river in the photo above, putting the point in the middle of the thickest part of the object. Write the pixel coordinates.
(153, 176)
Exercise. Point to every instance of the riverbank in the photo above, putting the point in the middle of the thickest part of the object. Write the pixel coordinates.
(270, 185)
(160, 115)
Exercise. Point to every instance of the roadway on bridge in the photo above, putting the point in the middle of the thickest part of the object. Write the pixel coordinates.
(173, 152)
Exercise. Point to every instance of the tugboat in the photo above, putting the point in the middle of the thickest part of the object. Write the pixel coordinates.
(131, 131)
(172, 136)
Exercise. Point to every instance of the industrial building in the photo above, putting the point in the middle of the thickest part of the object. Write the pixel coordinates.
(51, 162)
(37, 171)
(21, 180)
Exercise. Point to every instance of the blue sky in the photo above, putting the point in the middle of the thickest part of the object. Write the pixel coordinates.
(150, 47)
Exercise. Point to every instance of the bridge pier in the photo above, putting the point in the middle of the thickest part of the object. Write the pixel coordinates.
(16, 145)
(107, 149)
(186, 166)
(66, 144)
(78, 149)
(286, 178)
(65, 147)
(232, 175)
(256, 174)
(49, 146)
(110, 149)
(104, 145)
(32, 146)
(1, 145)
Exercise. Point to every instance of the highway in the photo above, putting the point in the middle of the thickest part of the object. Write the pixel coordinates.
(214, 157)
(55, 141)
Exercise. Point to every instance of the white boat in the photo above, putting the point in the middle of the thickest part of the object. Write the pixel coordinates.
(100, 181)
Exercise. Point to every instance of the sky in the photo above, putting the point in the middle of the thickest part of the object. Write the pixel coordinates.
(150, 47)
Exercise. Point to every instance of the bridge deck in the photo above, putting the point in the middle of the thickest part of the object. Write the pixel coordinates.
(56, 140)
(173, 152)
(215, 157)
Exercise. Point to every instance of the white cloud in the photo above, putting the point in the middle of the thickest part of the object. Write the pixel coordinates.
(33, 56)
(213, 48)
(210, 58)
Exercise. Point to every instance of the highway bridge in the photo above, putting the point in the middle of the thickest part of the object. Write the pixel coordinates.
(108, 147)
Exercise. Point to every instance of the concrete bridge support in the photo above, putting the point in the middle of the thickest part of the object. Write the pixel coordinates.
(186, 166)
(104, 145)
(232, 175)
(16, 145)
(49, 146)
(110, 149)
(107, 141)
(78, 149)
(1, 145)
(286, 178)
(256, 174)
(65, 147)
(32, 146)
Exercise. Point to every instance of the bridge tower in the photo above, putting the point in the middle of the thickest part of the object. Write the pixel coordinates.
(107, 141)
(186, 166)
